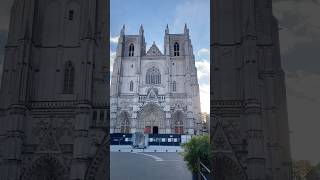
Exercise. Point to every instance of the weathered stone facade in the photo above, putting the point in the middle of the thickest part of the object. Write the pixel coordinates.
(54, 84)
(249, 124)
(153, 91)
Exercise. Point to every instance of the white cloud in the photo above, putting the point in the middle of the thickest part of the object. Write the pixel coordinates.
(205, 97)
(195, 12)
(114, 39)
(203, 68)
(299, 21)
(203, 52)
(303, 100)
(112, 58)
(289, 40)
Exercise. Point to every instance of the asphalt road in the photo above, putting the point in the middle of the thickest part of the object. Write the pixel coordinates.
(148, 166)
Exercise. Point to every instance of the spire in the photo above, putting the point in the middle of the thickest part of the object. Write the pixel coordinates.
(141, 31)
(122, 30)
(250, 22)
(186, 30)
(167, 29)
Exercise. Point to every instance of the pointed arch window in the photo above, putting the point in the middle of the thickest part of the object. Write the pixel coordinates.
(131, 50)
(153, 76)
(178, 122)
(70, 15)
(125, 122)
(174, 86)
(94, 118)
(131, 85)
(176, 49)
(68, 78)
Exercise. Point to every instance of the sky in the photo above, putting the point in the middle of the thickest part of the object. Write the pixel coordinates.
(300, 51)
(154, 15)
(299, 40)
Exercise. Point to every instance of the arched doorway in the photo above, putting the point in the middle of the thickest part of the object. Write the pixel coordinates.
(46, 168)
(99, 166)
(151, 119)
(224, 168)
(178, 118)
(124, 118)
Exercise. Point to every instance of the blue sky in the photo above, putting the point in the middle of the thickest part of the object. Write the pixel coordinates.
(155, 15)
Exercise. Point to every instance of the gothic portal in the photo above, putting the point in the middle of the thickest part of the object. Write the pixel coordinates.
(53, 97)
(158, 92)
(249, 124)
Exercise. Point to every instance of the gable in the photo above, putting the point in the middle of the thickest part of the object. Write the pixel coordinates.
(154, 51)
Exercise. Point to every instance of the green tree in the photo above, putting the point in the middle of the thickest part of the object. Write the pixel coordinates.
(301, 168)
(197, 148)
(314, 173)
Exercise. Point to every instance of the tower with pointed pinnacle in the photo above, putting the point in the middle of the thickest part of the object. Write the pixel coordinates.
(249, 123)
(53, 97)
(154, 92)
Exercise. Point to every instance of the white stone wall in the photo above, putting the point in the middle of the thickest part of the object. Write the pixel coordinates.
(184, 99)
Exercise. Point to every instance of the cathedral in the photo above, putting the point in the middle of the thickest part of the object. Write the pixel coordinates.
(249, 123)
(154, 92)
(54, 95)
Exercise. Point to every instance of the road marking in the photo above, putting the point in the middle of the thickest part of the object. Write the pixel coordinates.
(149, 155)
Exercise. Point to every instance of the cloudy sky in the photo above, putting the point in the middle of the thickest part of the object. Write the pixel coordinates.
(155, 16)
(300, 49)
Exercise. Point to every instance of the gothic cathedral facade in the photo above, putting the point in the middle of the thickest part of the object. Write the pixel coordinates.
(249, 123)
(151, 91)
(53, 98)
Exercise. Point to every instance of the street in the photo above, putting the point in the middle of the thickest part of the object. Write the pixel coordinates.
(147, 166)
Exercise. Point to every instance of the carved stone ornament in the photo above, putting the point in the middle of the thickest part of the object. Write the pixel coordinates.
(154, 51)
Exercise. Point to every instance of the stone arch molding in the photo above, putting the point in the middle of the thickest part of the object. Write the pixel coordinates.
(44, 167)
(179, 106)
(225, 167)
(151, 114)
(178, 122)
(124, 121)
(98, 168)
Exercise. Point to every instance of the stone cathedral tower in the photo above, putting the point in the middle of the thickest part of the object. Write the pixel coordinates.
(249, 118)
(53, 96)
(155, 92)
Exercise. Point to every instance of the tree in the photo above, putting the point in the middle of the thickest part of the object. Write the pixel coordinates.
(314, 174)
(198, 148)
(300, 169)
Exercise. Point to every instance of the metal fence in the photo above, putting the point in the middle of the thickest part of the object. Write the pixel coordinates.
(204, 172)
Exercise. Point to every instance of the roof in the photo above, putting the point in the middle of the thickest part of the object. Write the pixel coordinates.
(154, 51)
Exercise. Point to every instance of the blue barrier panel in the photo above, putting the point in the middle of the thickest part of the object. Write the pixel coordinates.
(120, 139)
(153, 139)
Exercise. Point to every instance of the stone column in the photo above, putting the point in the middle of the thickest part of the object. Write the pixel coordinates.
(80, 142)
(134, 123)
(168, 119)
(190, 123)
(113, 121)
(13, 123)
(168, 123)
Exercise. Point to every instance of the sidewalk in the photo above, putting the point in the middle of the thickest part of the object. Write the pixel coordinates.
(128, 148)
